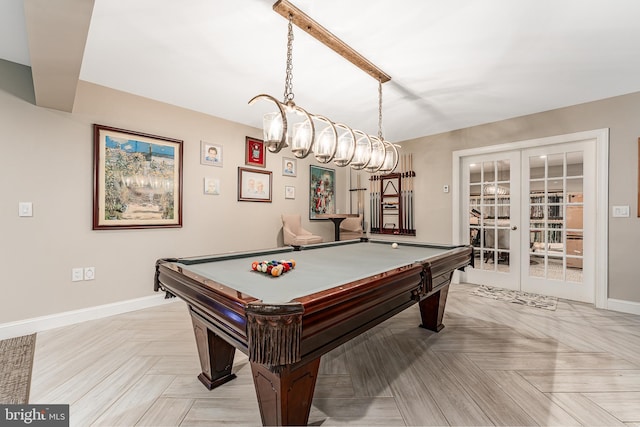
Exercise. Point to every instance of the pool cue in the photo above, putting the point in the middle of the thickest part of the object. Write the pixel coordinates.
(360, 199)
(351, 192)
(378, 191)
(411, 191)
(407, 205)
(405, 188)
(408, 174)
(374, 202)
(371, 218)
(402, 193)
(358, 206)
(409, 224)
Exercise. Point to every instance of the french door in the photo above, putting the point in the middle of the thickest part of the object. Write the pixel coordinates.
(559, 182)
(530, 216)
(492, 190)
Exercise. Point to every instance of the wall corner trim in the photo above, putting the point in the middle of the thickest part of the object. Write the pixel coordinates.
(43, 323)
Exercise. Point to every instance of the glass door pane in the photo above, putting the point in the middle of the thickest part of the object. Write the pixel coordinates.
(489, 213)
(555, 216)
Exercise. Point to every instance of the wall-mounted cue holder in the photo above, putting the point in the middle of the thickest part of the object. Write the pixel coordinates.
(391, 200)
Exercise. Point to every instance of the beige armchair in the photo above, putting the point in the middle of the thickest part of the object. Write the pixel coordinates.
(351, 228)
(294, 234)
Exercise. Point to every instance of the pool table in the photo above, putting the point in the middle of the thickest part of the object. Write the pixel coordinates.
(284, 324)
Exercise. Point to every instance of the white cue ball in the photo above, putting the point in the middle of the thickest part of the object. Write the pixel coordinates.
(394, 245)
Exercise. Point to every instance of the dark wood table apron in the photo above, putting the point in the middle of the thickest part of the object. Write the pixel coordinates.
(284, 342)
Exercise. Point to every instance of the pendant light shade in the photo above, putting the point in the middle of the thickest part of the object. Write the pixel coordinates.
(325, 145)
(377, 155)
(303, 134)
(362, 154)
(346, 145)
(274, 125)
(391, 158)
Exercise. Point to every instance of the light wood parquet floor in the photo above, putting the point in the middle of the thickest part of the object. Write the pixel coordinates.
(494, 363)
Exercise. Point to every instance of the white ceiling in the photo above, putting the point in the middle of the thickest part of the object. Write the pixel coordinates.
(453, 64)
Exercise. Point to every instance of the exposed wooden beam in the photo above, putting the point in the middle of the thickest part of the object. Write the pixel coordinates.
(324, 36)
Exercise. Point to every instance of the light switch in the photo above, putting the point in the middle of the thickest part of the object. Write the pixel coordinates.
(25, 209)
(621, 211)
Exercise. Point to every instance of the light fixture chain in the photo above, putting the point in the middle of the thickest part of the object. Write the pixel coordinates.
(288, 85)
(380, 109)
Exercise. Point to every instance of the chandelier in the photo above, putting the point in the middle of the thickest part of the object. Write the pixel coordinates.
(304, 133)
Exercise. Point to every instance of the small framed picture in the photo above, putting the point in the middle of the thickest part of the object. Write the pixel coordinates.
(254, 185)
(289, 192)
(289, 166)
(210, 154)
(212, 186)
(254, 152)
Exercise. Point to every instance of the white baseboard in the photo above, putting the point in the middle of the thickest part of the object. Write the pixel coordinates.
(623, 306)
(43, 323)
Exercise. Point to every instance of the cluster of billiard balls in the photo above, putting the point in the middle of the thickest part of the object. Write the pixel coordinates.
(274, 268)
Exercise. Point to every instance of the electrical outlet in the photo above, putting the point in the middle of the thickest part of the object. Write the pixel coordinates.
(89, 273)
(77, 274)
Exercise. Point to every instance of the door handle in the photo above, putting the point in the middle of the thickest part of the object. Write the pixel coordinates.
(515, 227)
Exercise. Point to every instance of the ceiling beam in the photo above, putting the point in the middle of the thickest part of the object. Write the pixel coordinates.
(324, 36)
(57, 33)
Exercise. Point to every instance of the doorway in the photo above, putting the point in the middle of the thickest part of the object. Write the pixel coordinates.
(530, 209)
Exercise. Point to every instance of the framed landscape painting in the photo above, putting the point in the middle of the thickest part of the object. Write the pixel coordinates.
(137, 180)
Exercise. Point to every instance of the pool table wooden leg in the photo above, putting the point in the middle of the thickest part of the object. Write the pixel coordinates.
(216, 355)
(432, 309)
(285, 396)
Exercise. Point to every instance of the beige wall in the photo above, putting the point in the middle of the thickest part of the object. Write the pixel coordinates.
(433, 165)
(47, 159)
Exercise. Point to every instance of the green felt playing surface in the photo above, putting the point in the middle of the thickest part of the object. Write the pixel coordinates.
(318, 268)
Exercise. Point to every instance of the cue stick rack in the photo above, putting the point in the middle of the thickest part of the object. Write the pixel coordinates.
(391, 200)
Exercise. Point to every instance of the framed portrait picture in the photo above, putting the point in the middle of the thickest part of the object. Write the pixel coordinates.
(212, 186)
(210, 154)
(289, 192)
(254, 152)
(289, 166)
(254, 185)
(137, 180)
(322, 189)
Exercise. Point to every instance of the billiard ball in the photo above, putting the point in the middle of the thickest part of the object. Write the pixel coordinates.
(394, 245)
